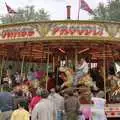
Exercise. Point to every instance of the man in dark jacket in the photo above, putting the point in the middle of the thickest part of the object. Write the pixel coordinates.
(6, 104)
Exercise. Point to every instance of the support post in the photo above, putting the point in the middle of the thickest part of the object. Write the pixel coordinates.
(66, 60)
(53, 64)
(47, 70)
(22, 65)
(2, 66)
(76, 58)
(104, 69)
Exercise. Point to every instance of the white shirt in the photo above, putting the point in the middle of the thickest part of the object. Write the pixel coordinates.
(57, 100)
(98, 108)
(84, 67)
(43, 110)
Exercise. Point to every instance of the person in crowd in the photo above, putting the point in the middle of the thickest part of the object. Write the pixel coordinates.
(7, 79)
(30, 75)
(6, 103)
(18, 98)
(44, 109)
(26, 92)
(51, 81)
(76, 94)
(18, 78)
(98, 106)
(70, 64)
(81, 70)
(71, 106)
(58, 101)
(20, 113)
(35, 99)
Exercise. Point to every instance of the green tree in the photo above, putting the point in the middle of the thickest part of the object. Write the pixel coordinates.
(109, 11)
(26, 14)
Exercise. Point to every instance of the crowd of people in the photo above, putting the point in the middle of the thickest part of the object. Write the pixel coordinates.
(28, 101)
(53, 105)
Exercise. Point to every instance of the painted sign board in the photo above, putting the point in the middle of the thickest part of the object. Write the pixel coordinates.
(17, 32)
(76, 30)
(60, 30)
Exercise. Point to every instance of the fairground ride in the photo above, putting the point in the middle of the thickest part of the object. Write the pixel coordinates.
(52, 41)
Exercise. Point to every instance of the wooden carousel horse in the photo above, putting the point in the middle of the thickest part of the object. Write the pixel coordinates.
(116, 90)
(67, 76)
(86, 80)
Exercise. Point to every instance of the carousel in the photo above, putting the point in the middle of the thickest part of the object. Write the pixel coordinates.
(58, 46)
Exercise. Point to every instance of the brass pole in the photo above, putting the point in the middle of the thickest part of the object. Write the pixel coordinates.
(104, 69)
(2, 66)
(47, 68)
(76, 58)
(22, 65)
(53, 64)
(66, 59)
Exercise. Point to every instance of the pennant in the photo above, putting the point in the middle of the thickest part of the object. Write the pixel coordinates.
(84, 6)
(9, 9)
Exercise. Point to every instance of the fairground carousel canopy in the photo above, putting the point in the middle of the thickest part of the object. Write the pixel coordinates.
(34, 40)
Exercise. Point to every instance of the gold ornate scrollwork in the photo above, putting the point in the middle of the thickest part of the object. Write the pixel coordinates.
(42, 28)
(112, 29)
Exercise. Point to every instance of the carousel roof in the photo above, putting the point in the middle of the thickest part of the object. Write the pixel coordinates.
(60, 38)
(37, 51)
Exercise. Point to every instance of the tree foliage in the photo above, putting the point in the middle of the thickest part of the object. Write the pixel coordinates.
(109, 11)
(26, 14)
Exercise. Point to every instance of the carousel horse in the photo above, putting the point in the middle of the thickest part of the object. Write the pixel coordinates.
(116, 88)
(67, 76)
(86, 80)
(40, 79)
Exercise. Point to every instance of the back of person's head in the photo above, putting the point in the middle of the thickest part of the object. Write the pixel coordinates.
(5, 88)
(44, 93)
(22, 103)
(19, 93)
(70, 92)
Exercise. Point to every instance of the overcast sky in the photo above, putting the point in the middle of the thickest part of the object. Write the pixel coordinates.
(56, 8)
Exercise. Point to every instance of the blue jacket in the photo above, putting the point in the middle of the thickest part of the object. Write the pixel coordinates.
(6, 101)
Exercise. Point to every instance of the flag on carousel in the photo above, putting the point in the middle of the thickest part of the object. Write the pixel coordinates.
(84, 6)
(9, 9)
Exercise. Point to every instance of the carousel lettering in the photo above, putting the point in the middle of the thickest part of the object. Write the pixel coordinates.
(92, 30)
(17, 33)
